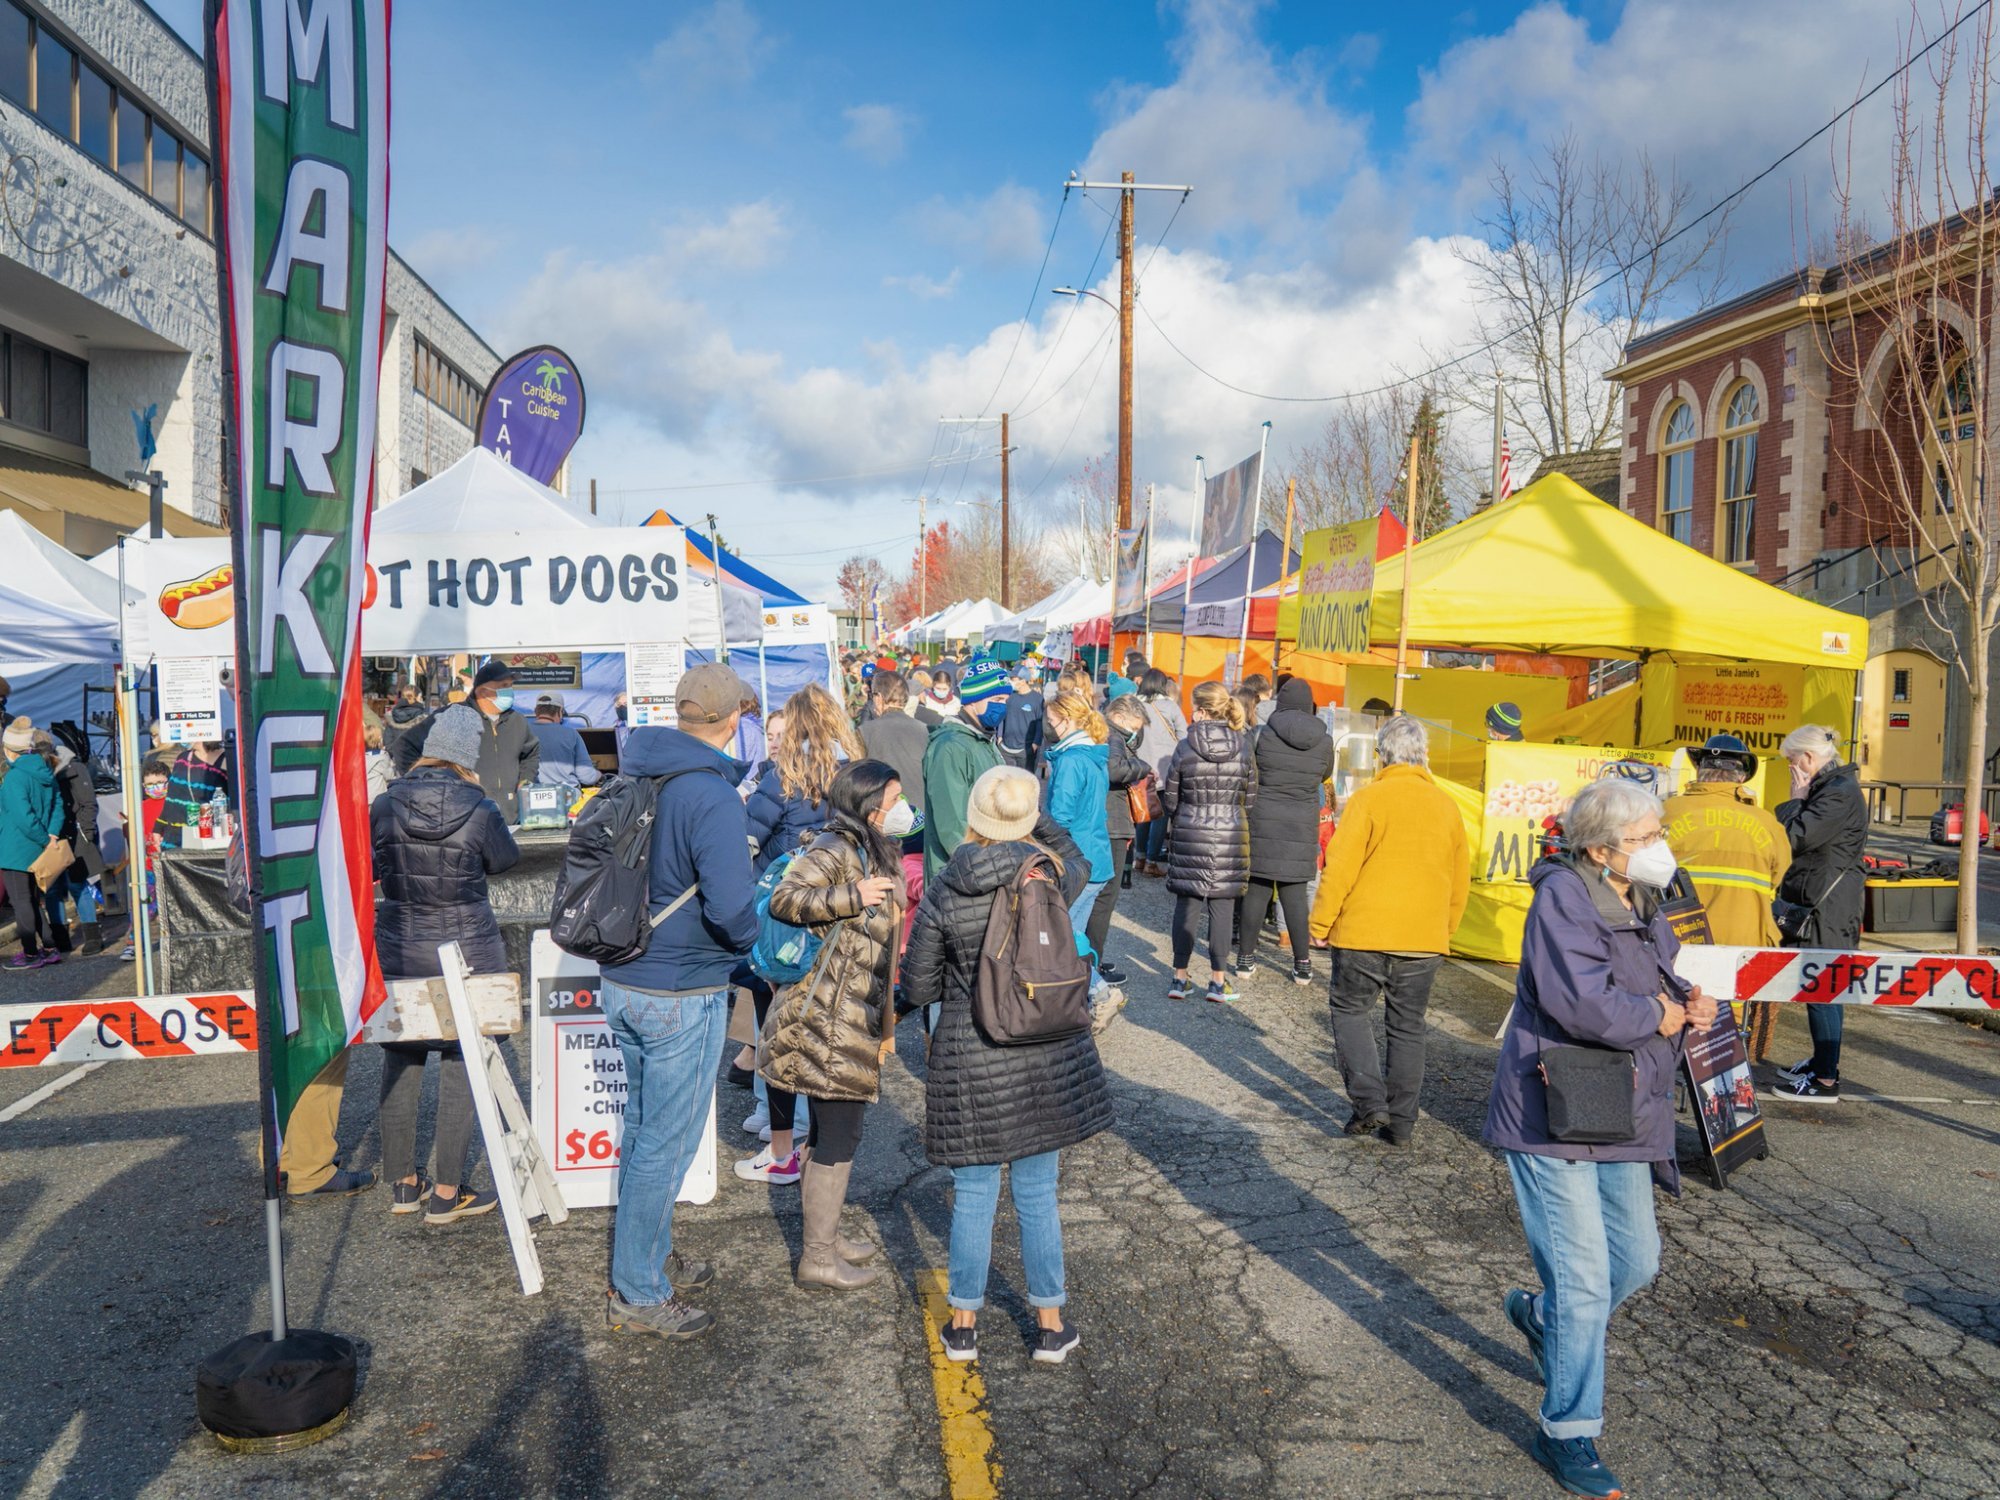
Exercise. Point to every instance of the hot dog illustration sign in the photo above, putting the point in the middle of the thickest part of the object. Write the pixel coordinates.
(439, 592)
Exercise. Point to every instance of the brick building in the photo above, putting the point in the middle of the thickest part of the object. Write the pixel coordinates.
(1765, 431)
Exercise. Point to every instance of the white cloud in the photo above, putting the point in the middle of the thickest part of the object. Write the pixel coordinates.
(435, 254)
(722, 45)
(925, 288)
(877, 132)
(1007, 224)
(747, 238)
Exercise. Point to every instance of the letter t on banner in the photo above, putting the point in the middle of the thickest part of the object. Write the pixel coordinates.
(299, 97)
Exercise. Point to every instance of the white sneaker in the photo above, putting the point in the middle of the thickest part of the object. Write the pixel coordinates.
(758, 1122)
(761, 1168)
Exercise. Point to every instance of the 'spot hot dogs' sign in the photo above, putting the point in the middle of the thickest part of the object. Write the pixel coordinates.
(458, 591)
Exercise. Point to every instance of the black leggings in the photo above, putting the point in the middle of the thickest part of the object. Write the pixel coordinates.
(31, 917)
(1097, 926)
(836, 1130)
(1257, 901)
(1221, 914)
(777, 1102)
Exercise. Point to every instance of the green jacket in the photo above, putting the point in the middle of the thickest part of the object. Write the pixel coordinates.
(956, 756)
(31, 811)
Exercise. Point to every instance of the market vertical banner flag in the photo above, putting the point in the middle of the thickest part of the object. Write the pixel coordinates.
(1131, 587)
(1229, 507)
(532, 413)
(1337, 587)
(301, 128)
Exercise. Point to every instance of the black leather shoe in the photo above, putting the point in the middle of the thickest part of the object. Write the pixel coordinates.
(1362, 1125)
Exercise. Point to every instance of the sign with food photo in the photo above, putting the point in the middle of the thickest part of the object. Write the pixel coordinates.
(1527, 785)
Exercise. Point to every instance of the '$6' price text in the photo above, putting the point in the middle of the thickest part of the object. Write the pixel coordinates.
(598, 1147)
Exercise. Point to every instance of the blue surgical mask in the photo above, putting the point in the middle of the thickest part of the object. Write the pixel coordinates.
(993, 712)
(504, 699)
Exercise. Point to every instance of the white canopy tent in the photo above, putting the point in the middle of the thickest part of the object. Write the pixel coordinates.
(1020, 628)
(962, 620)
(58, 624)
(1087, 599)
(482, 493)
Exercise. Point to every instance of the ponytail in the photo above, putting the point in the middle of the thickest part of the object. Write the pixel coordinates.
(1214, 701)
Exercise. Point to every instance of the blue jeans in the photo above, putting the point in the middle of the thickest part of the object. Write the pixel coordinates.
(1590, 1230)
(1825, 1022)
(671, 1047)
(1079, 919)
(1152, 838)
(975, 1197)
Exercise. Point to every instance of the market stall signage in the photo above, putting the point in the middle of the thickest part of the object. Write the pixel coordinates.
(1337, 587)
(1528, 784)
(532, 413)
(1759, 702)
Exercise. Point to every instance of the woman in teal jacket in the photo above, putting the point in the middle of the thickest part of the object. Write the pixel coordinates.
(1079, 765)
(31, 816)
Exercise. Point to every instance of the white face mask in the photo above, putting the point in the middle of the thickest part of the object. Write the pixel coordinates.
(1652, 866)
(900, 819)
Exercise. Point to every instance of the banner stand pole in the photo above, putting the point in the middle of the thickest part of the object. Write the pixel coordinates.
(1187, 580)
(130, 775)
(1250, 565)
(1284, 566)
(1145, 586)
(1411, 528)
(715, 566)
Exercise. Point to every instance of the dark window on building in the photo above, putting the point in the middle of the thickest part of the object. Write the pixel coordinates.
(45, 391)
(55, 69)
(450, 388)
(417, 477)
(131, 143)
(93, 112)
(166, 170)
(28, 384)
(1900, 690)
(194, 190)
(16, 40)
(66, 399)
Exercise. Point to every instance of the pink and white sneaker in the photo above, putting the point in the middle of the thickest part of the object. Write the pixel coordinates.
(763, 1168)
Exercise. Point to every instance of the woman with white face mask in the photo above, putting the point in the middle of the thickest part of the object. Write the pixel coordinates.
(1596, 978)
(826, 1036)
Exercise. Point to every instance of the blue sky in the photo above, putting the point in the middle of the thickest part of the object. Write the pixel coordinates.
(780, 240)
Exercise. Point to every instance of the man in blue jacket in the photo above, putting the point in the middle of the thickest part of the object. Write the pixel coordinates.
(669, 1007)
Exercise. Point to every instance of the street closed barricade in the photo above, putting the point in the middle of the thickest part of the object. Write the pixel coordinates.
(1924, 981)
(154, 1026)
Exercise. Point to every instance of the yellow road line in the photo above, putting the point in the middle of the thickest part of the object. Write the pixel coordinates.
(971, 1471)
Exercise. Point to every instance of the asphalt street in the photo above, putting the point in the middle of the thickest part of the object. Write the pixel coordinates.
(1267, 1308)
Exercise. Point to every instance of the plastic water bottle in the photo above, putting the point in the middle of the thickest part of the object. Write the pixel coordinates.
(214, 814)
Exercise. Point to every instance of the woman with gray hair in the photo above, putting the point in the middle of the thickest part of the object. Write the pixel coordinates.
(1827, 823)
(1596, 974)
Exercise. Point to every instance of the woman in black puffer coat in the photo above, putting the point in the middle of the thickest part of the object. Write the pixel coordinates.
(985, 1106)
(437, 838)
(1209, 790)
(1294, 759)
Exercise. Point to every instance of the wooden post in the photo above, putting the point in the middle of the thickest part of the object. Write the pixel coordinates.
(1284, 562)
(1409, 546)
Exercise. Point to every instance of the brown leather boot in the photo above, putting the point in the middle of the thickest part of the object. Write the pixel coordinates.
(822, 1191)
(854, 1252)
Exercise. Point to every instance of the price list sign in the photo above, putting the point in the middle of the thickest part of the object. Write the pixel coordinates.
(579, 1085)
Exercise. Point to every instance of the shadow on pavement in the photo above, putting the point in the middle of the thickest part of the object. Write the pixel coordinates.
(553, 1392)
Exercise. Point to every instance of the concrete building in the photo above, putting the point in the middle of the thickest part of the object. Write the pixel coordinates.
(108, 309)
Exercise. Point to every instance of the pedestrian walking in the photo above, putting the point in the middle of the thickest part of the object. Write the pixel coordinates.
(510, 757)
(1166, 727)
(1260, 688)
(1208, 790)
(786, 813)
(376, 760)
(406, 715)
(1294, 758)
(438, 839)
(83, 880)
(939, 703)
(1125, 722)
(828, 1035)
(1596, 974)
(986, 1106)
(961, 750)
(895, 737)
(1398, 871)
(1826, 821)
(752, 745)
(668, 1009)
(1079, 789)
(1023, 730)
(31, 822)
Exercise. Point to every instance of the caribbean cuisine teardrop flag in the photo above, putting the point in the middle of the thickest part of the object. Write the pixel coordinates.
(300, 104)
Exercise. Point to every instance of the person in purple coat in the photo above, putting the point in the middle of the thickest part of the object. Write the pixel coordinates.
(1596, 971)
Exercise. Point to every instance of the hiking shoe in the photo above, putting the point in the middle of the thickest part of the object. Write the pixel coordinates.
(688, 1275)
(1576, 1466)
(1395, 1135)
(672, 1319)
(763, 1167)
(1520, 1309)
(1246, 969)
(758, 1121)
(39, 960)
(408, 1197)
(1053, 1345)
(1222, 992)
(1178, 990)
(1362, 1125)
(468, 1205)
(342, 1184)
(1302, 973)
(960, 1344)
(1105, 1011)
(1111, 974)
(1806, 1089)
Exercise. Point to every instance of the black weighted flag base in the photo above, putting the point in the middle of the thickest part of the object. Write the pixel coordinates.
(265, 1395)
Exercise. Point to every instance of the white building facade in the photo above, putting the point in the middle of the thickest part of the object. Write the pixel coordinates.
(108, 302)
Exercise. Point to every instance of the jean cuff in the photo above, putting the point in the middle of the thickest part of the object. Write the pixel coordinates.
(1060, 1299)
(1562, 1431)
(965, 1304)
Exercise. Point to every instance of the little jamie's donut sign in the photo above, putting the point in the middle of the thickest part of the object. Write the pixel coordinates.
(532, 413)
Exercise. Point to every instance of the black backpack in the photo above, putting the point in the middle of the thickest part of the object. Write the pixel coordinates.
(603, 889)
(1032, 985)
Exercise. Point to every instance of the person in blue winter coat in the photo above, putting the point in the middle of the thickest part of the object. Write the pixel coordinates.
(31, 818)
(668, 1009)
(1079, 764)
(1596, 972)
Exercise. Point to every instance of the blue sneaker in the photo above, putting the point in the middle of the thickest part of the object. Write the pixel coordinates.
(1576, 1466)
(1521, 1313)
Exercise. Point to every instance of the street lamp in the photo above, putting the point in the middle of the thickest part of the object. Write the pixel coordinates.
(1070, 291)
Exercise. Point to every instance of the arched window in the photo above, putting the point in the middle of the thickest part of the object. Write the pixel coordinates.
(1736, 489)
(1952, 441)
(1676, 508)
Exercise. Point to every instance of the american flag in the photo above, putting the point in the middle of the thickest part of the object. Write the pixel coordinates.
(1506, 470)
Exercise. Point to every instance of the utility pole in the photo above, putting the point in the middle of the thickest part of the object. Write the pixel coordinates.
(1006, 602)
(593, 497)
(1127, 290)
(923, 557)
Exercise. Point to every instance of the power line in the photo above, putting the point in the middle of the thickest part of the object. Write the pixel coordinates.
(1022, 327)
(1612, 275)
(1049, 358)
(732, 484)
(1082, 402)
(1109, 330)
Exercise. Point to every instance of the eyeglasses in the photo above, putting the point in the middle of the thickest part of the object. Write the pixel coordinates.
(1644, 840)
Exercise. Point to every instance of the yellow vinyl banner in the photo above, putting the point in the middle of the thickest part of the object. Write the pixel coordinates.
(1337, 587)
(1528, 784)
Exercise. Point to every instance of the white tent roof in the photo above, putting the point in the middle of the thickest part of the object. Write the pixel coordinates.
(482, 493)
(42, 568)
(37, 632)
(977, 617)
(1086, 600)
(1018, 627)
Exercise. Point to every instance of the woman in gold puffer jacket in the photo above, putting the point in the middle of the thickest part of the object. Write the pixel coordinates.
(826, 1036)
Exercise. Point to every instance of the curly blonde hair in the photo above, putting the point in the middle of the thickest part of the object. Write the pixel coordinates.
(811, 743)
(1075, 709)
(1214, 701)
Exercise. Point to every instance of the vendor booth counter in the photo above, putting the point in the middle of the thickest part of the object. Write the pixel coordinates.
(206, 943)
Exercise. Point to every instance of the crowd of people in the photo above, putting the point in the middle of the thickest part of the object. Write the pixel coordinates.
(897, 829)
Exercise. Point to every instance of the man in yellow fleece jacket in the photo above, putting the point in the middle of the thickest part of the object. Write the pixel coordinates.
(1397, 874)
